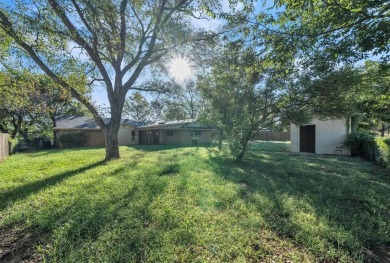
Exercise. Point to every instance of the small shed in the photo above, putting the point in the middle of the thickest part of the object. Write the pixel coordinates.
(321, 136)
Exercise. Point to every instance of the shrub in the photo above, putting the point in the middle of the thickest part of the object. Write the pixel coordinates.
(383, 145)
(17, 145)
(361, 144)
(371, 148)
(73, 139)
(195, 140)
(13, 145)
(42, 142)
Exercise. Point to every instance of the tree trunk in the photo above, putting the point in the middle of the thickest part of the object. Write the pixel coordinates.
(220, 139)
(54, 124)
(244, 144)
(111, 131)
(383, 129)
(111, 143)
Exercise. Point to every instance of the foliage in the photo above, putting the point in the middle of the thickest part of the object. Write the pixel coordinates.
(361, 144)
(383, 145)
(243, 97)
(195, 140)
(376, 149)
(185, 103)
(373, 99)
(73, 139)
(137, 108)
(326, 30)
(108, 43)
(315, 92)
(276, 206)
(29, 103)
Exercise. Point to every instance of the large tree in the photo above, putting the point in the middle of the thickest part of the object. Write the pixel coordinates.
(111, 42)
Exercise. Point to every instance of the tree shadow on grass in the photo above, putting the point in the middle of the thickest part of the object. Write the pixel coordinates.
(346, 213)
(119, 217)
(154, 148)
(124, 217)
(26, 190)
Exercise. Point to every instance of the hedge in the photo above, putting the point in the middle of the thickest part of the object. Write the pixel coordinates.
(383, 145)
(73, 139)
(367, 146)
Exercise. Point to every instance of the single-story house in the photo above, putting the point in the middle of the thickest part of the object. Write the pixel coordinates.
(176, 132)
(321, 136)
(133, 133)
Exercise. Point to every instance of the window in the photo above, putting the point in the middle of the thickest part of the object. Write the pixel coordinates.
(133, 136)
(198, 133)
(169, 133)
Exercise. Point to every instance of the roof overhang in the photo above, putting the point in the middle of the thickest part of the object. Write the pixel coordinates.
(76, 129)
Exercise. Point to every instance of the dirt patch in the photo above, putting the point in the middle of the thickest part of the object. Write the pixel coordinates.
(19, 246)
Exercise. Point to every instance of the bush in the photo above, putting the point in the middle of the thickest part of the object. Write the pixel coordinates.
(17, 145)
(41, 142)
(195, 140)
(73, 139)
(361, 144)
(368, 147)
(383, 145)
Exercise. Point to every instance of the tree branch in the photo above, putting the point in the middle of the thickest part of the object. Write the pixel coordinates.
(6, 25)
(94, 54)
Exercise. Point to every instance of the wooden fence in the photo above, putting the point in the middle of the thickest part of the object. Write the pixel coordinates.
(4, 146)
(272, 136)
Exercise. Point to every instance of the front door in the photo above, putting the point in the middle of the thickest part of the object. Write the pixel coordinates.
(307, 138)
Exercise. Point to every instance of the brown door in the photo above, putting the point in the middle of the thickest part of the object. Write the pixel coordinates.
(307, 138)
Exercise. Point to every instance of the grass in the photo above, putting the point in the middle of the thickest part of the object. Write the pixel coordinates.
(165, 204)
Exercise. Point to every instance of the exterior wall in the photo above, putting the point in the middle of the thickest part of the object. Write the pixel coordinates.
(4, 146)
(187, 136)
(125, 136)
(95, 138)
(294, 136)
(330, 135)
(174, 139)
(272, 136)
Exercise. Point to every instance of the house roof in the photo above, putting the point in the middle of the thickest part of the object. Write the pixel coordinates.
(172, 125)
(70, 122)
(86, 123)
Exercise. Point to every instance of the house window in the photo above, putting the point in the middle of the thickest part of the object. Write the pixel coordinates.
(169, 133)
(197, 132)
(133, 136)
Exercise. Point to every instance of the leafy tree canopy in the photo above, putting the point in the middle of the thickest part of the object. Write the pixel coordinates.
(111, 43)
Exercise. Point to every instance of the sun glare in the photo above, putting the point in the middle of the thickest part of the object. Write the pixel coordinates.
(180, 69)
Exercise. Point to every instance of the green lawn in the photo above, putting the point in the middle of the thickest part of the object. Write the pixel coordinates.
(190, 204)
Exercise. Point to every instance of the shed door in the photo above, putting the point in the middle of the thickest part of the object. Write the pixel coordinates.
(307, 138)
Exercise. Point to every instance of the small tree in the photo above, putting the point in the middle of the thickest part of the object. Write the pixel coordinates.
(243, 98)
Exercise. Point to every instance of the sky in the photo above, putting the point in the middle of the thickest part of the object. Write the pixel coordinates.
(179, 69)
